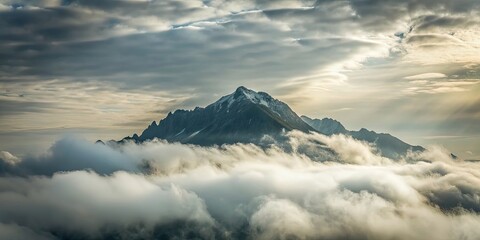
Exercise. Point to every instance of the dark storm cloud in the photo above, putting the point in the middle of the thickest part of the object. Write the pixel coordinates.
(168, 10)
(9, 107)
(241, 192)
(381, 15)
(113, 41)
(39, 25)
(32, 37)
(182, 59)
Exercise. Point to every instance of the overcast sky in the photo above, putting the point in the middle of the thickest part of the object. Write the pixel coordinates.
(106, 69)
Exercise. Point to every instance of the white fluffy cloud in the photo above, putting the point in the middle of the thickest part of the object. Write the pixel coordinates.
(9, 158)
(242, 191)
(87, 203)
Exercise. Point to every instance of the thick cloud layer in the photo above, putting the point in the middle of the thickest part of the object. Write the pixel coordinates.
(166, 190)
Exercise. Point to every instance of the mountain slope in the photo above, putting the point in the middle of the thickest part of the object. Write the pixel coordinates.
(326, 126)
(388, 145)
(244, 116)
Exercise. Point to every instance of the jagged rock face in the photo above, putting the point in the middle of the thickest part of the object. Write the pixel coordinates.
(246, 116)
(243, 116)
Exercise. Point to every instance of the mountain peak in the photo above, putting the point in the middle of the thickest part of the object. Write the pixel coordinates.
(244, 94)
(242, 116)
(242, 89)
(247, 116)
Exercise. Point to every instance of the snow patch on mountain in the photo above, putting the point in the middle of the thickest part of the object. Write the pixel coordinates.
(242, 94)
(183, 130)
(261, 98)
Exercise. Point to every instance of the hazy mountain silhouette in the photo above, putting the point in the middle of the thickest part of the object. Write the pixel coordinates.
(388, 145)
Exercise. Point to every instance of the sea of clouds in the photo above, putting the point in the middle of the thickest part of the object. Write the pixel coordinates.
(320, 188)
